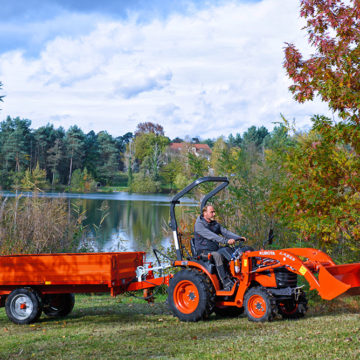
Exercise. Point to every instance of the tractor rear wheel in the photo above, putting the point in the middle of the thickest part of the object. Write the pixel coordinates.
(291, 309)
(23, 306)
(259, 305)
(190, 295)
(58, 305)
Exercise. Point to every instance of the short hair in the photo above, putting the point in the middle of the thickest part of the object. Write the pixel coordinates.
(204, 209)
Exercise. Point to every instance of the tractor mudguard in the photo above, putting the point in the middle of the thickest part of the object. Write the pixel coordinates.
(193, 264)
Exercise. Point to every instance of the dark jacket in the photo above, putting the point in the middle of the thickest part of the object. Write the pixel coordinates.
(207, 235)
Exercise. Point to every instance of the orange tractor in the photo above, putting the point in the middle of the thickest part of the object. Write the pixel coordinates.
(266, 281)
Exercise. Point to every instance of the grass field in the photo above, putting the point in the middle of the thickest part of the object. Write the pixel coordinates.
(101, 327)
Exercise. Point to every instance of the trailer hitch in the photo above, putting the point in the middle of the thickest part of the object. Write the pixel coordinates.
(142, 271)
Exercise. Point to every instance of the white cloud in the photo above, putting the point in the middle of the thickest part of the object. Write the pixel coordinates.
(138, 82)
(213, 72)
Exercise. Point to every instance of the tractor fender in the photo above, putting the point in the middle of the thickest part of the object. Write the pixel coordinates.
(193, 264)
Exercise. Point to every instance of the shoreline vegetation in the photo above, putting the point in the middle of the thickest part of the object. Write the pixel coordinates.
(34, 225)
(304, 186)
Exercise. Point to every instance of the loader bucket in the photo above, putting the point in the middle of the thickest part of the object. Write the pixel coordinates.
(339, 280)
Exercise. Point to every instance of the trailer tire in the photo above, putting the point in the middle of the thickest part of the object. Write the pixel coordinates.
(190, 295)
(291, 309)
(23, 306)
(259, 305)
(58, 305)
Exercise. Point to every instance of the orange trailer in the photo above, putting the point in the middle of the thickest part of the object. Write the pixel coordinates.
(30, 284)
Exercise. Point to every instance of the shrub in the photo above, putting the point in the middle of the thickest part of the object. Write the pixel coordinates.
(38, 225)
(144, 184)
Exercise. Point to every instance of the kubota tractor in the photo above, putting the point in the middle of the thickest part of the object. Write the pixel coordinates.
(265, 280)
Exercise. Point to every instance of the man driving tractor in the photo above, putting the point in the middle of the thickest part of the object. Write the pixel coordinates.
(207, 233)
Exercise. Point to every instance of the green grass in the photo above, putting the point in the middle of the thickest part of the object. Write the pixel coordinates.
(110, 189)
(125, 328)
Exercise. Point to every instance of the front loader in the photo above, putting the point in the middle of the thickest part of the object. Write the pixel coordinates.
(266, 281)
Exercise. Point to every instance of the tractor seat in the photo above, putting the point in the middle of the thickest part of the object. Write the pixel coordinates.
(192, 246)
(204, 259)
(196, 254)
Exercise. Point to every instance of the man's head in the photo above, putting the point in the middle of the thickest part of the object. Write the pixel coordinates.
(208, 213)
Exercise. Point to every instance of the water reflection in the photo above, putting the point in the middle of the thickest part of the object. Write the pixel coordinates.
(133, 222)
(128, 225)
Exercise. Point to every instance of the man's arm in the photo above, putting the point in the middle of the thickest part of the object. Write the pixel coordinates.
(229, 235)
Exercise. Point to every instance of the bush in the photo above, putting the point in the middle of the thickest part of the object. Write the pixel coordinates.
(119, 179)
(144, 184)
(38, 225)
(181, 181)
(82, 181)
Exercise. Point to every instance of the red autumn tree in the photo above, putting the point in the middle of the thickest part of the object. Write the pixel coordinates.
(333, 72)
(149, 127)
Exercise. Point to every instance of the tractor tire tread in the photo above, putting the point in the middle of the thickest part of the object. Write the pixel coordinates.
(271, 308)
(36, 302)
(206, 295)
(300, 310)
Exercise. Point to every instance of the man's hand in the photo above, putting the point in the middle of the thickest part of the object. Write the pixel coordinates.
(243, 238)
(231, 241)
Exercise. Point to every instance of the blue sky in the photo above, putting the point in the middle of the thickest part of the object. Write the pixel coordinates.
(28, 24)
(199, 68)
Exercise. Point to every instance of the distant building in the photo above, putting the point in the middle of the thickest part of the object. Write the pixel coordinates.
(197, 149)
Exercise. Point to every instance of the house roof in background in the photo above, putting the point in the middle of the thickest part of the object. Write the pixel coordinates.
(203, 147)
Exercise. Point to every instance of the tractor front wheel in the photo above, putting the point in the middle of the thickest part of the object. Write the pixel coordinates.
(259, 305)
(291, 309)
(190, 295)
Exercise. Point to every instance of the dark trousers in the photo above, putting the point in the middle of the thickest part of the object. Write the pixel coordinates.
(218, 256)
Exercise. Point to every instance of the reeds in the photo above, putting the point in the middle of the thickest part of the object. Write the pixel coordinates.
(32, 225)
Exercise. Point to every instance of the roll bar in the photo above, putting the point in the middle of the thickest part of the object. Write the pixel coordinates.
(176, 200)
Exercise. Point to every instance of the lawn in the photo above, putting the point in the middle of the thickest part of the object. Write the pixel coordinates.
(126, 328)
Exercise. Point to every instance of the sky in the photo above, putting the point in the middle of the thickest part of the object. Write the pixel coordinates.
(198, 68)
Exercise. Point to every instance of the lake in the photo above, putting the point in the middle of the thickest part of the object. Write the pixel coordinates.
(132, 222)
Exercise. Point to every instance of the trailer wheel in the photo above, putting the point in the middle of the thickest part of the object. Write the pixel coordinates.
(58, 305)
(23, 306)
(259, 305)
(190, 296)
(228, 311)
(291, 309)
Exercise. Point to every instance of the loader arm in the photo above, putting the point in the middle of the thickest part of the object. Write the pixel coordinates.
(317, 268)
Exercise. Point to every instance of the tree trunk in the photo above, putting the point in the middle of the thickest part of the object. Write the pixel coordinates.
(70, 171)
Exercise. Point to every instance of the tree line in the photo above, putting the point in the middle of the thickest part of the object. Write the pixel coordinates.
(305, 185)
(52, 157)
(57, 156)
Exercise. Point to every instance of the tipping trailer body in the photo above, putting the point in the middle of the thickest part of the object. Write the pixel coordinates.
(32, 284)
(75, 273)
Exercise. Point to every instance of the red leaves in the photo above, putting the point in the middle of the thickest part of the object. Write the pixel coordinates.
(334, 30)
(315, 144)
